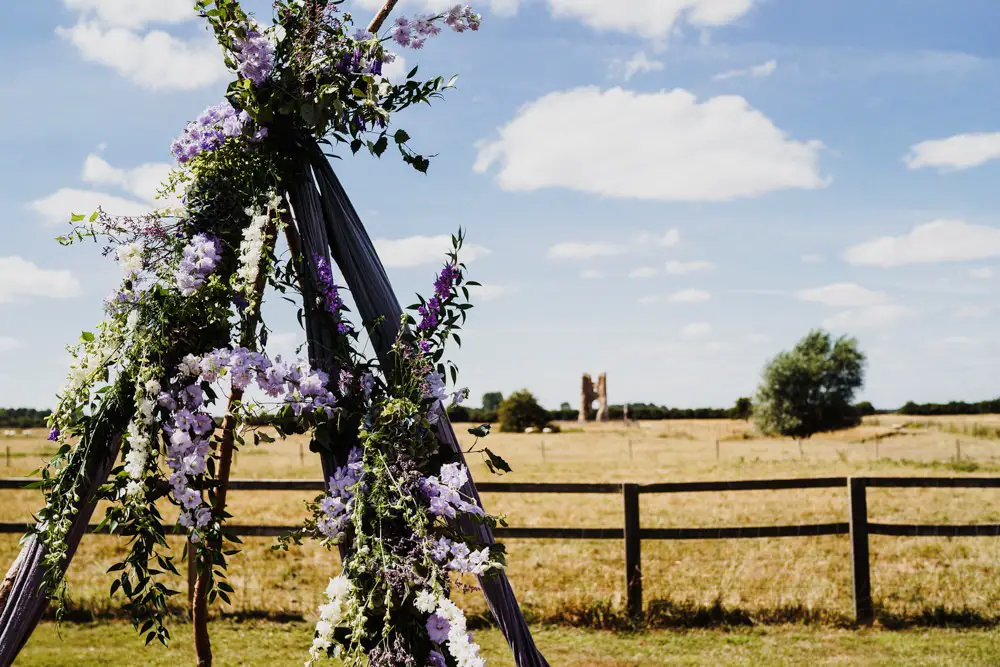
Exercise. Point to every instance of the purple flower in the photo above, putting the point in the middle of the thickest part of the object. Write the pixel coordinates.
(198, 261)
(254, 57)
(437, 629)
(331, 293)
(54, 433)
(435, 659)
(210, 131)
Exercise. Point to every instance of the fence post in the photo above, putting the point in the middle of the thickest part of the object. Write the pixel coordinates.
(633, 551)
(864, 611)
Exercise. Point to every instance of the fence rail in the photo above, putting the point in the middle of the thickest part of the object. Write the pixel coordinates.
(857, 527)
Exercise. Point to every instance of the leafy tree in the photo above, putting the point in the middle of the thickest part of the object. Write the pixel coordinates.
(565, 406)
(811, 388)
(521, 410)
(865, 409)
(743, 408)
(492, 400)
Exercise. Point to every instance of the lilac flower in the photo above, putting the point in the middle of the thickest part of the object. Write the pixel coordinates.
(254, 57)
(367, 385)
(424, 345)
(414, 32)
(444, 494)
(54, 433)
(338, 505)
(434, 386)
(210, 131)
(199, 260)
(331, 293)
(435, 659)
(461, 18)
(437, 629)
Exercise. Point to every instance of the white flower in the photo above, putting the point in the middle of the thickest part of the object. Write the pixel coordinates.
(130, 257)
(134, 488)
(190, 365)
(153, 388)
(426, 602)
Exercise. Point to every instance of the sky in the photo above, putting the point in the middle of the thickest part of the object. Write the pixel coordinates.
(668, 191)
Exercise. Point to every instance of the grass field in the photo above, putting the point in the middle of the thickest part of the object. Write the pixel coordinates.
(916, 581)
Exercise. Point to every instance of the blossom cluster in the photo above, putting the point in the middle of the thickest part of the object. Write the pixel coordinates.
(414, 32)
(211, 130)
(459, 557)
(430, 312)
(189, 427)
(444, 492)
(200, 257)
(334, 613)
(255, 57)
(139, 437)
(447, 626)
(332, 300)
(255, 237)
(336, 507)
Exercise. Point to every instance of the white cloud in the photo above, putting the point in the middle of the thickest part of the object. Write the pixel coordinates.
(690, 296)
(653, 19)
(499, 7)
(648, 299)
(756, 72)
(134, 13)
(972, 312)
(666, 147)
(643, 272)
(416, 251)
(641, 63)
(667, 239)
(981, 273)
(397, 70)
(872, 317)
(696, 330)
(58, 206)
(155, 60)
(8, 344)
(938, 241)
(812, 258)
(490, 292)
(142, 181)
(20, 278)
(681, 268)
(842, 295)
(958, 152)
(592, 274)
(576, 250)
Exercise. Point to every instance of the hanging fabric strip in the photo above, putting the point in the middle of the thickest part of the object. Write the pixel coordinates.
(365, 276)
(25, 599)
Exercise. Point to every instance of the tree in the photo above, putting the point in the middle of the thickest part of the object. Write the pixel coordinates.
(811, 388)
(492, 400)
(743, 408)
(521, 410)
(565, 407)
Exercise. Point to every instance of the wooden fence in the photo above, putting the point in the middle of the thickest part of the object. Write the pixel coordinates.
(858, 528)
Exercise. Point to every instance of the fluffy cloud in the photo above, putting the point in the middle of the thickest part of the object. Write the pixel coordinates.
(576, 250)
(397, 70)
(142, 181)
(690, 296)
(981, 273)
(938, 241)
(696, 330)
(58, 206)
(643, 272)
(134, 13)
(648, 299)
(20, 278)
(8, 344)
(681, 268)
(756, 72)
(640, 63)
(972, 312)
(653, 19)
(872, 317)
(667, 239)
(961, 151)
(666, 146)
(592, 274)
(416, 251)
(155, 60)
(843, 295)
(490, 292)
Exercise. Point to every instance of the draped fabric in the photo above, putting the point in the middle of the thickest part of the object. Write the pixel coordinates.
(364, 274)
(25, 600)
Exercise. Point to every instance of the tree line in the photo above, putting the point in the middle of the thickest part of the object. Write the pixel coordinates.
(23, 418)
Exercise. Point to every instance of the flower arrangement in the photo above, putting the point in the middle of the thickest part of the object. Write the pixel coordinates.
(184, 330)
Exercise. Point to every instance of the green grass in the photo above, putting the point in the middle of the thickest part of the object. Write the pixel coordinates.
(276, 645)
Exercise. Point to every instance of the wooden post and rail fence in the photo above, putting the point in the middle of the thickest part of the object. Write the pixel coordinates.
(858, 527)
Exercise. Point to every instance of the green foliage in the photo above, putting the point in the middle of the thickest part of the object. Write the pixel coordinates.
(743, 409)
(23, 418)
(521, 410)
(811, 388)
(951, 408)
(492, 400)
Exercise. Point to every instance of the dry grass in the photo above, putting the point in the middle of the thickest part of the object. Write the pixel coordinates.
(915, 580)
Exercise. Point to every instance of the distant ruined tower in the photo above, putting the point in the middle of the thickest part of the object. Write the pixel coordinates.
(588, 395)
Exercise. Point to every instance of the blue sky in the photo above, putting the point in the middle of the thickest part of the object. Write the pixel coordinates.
(670, 191)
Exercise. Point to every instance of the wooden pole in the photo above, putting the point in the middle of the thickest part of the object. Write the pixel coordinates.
(199, 597)
(717, 453)
(633, 552)
(864, 612)
(382, 15)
